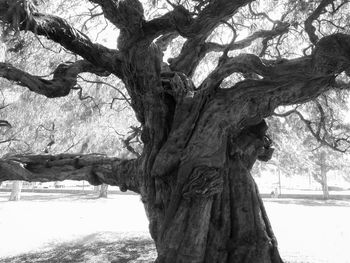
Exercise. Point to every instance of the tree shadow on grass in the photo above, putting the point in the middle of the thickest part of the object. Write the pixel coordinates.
(91, 249)
(311, 202)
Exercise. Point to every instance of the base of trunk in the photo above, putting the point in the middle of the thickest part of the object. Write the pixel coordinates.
(231, 226)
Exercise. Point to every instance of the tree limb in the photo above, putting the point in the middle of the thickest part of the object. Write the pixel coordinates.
(123, 14)
(134, 133)
(309, 28)
(182, 21)
(196, 29)
(329, 58)
(64, 78)
(94, 168)
(19, 17)
(243, 63)
(279, 29)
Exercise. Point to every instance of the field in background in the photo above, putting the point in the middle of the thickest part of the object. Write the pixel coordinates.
(72, 228)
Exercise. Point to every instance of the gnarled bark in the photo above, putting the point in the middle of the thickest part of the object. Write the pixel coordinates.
(199, 143)
(216, 214)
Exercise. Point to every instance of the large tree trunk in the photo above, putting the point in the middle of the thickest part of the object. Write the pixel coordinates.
(199, 196)
(214, 214)
(230, 226)
(16, 191)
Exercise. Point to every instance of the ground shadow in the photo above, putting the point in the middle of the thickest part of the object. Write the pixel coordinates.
(92, 249)
(310, 202)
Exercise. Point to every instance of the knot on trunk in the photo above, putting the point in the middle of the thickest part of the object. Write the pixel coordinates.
(203, 181)
(181, 19)
(252, 143)
(178, 85)
(266, 151)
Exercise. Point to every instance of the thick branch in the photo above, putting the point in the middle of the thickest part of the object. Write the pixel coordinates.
(123, 14)
(282, 82)
(127, 15)
(96, 169)
(18, 16)
(182, 21)
(243, 63)
(64, 78)
(278, 30)
(195, 29)
(330, 57)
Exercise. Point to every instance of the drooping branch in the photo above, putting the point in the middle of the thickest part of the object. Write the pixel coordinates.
(64, 77)
(134, 133)
(278, 30)
(100, 82)
(309, 28)
(94, 168)
(17, 15)
(323, 129)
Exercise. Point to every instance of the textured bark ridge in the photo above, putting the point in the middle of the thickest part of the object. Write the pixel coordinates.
(215, 214)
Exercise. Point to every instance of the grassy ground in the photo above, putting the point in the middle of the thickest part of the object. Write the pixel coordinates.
(69, 228)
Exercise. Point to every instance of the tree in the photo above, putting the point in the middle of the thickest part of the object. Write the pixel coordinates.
(16, 191)
(321, 176)
(309, 136)
(200, 136)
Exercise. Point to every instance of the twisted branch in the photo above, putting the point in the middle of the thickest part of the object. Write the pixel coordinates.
(64, 78)
(17, 15)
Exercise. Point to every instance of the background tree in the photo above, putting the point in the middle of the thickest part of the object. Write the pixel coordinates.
(202, 127)
(310, 135)
(16, 191)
